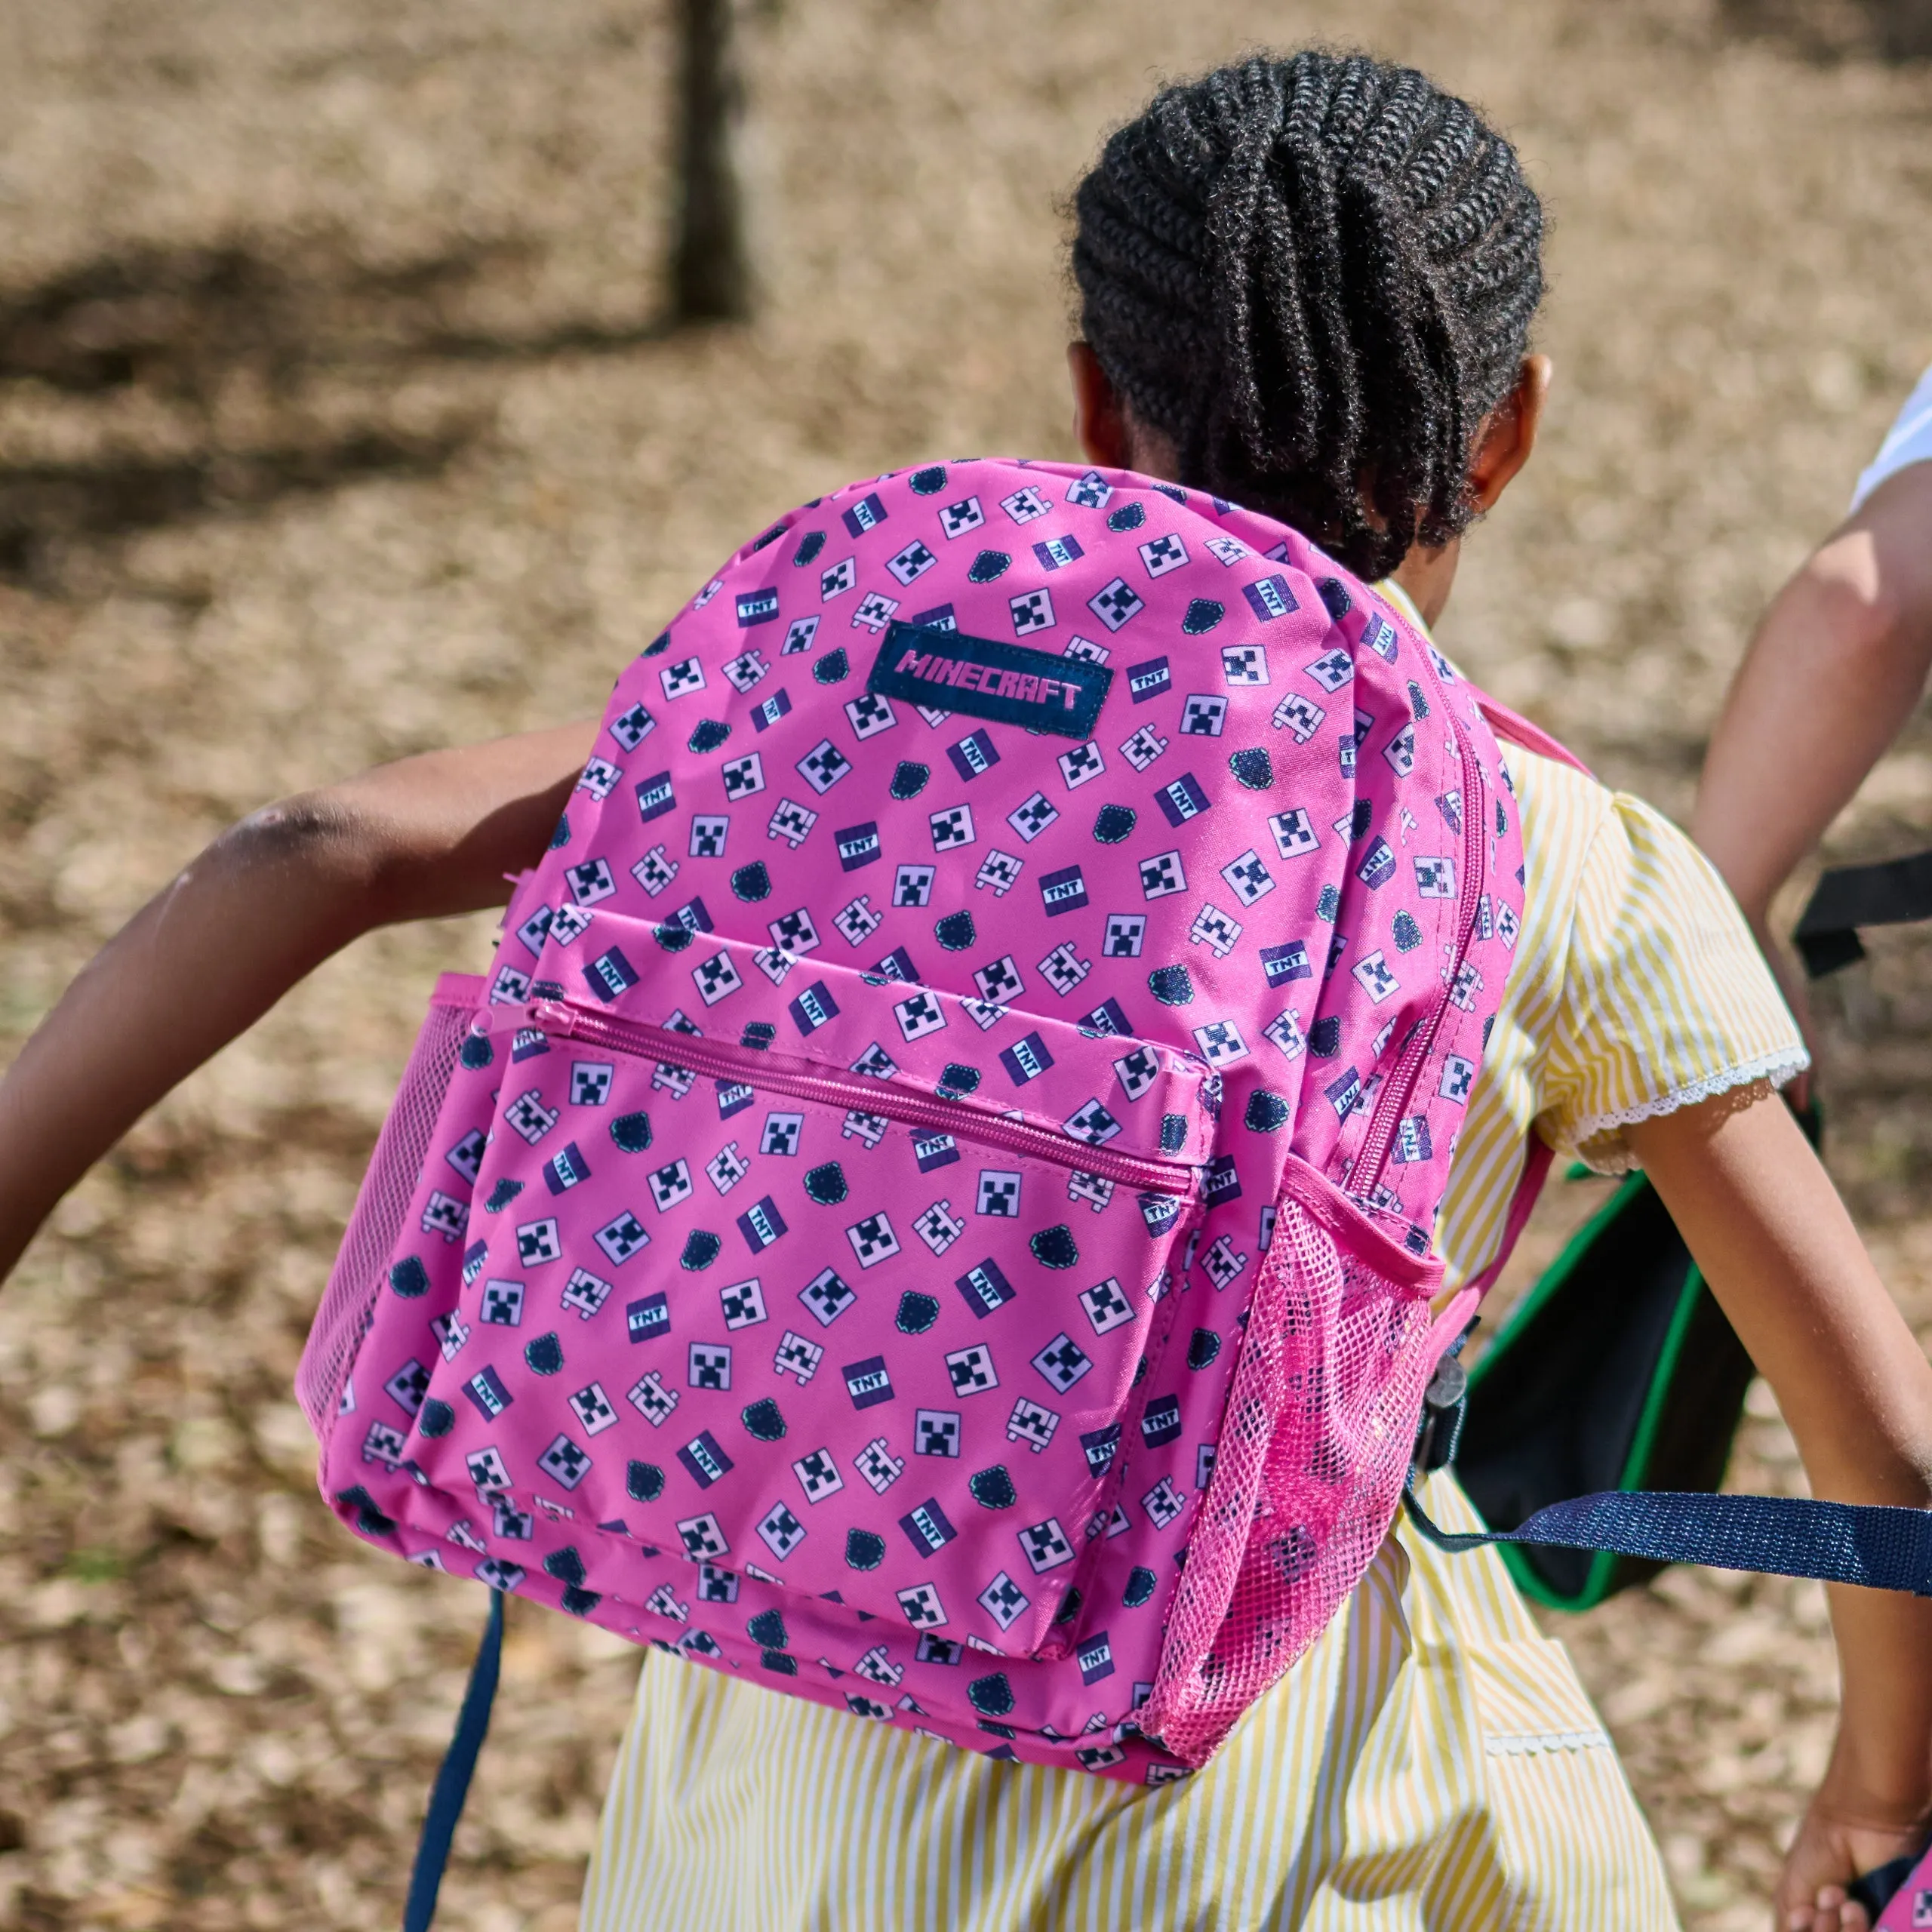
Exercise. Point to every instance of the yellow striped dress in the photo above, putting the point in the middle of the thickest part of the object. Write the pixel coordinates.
(1432, 1761)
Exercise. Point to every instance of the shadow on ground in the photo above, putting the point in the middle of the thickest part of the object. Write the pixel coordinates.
(231, 344)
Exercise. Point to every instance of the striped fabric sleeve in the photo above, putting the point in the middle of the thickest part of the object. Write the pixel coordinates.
(1666, 999)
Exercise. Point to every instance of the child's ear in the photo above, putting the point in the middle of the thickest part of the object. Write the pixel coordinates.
(1100, 425)
(1509, 434)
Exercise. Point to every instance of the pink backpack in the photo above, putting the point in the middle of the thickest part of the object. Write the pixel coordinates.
(932, 1211)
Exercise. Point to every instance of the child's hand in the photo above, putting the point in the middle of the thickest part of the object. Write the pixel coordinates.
(1835, 1844)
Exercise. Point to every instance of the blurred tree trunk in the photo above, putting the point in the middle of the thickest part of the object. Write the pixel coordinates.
(711, 281)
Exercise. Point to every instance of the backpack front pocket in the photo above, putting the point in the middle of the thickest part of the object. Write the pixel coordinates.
(803, 1302)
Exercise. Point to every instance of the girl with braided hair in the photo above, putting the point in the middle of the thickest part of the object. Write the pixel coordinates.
(1305, 284)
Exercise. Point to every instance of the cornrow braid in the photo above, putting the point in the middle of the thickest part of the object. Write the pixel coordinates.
(1316, 275)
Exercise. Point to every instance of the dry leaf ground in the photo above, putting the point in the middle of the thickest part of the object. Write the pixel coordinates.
(335, 423)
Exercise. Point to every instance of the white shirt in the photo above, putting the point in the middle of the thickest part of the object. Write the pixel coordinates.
(1910, 440)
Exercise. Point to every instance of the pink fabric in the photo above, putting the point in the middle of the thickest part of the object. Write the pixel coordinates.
(935, 1212)
(1911, 1906)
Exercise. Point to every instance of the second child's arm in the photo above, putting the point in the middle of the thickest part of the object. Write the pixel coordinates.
(1782, 1257)
(1836, 666)
(271, 899)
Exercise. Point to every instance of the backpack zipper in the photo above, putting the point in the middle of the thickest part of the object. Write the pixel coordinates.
(1380, 1139)
(761, 1068)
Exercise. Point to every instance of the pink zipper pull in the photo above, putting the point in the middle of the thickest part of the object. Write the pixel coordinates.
(553, 1016)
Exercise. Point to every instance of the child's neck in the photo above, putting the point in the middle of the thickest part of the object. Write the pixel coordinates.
(1427, 577)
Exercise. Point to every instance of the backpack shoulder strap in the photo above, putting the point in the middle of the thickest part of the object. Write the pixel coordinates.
(1515, 729)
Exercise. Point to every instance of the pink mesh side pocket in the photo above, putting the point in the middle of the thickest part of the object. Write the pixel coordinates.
(384, 1200)
(1320, 1427)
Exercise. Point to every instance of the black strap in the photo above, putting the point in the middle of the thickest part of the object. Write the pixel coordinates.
(1876, 1889)
(1895, 893)
(1879, 1546)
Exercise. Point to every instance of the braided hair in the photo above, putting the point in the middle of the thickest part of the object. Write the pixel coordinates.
(1316, 276)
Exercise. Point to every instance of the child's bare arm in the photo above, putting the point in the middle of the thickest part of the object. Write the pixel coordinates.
(270, 900)
(1781, 1256)
(1836, 666)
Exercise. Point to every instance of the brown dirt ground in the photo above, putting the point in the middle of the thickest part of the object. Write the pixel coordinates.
(334, 424)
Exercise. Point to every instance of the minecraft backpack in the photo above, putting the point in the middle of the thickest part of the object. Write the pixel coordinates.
(932, 1209)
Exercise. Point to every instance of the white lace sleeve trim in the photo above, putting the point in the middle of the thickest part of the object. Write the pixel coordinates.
(1613, 1158)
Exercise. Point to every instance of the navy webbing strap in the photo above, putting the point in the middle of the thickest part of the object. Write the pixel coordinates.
(1876, 1889)
(1881, 1546)
(1894, 893)
(452, 1784)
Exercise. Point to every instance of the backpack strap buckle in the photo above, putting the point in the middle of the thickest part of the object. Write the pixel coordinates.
(1444, 1403)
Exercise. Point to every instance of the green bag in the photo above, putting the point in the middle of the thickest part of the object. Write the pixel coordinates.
(1617, 1370)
